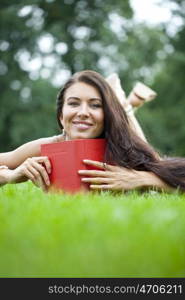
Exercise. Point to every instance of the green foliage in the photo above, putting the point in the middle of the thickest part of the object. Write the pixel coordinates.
(92, 235)
(82, 34)
(164, 118)
(78, 26)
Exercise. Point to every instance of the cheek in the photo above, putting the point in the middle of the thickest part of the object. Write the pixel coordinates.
(65, 115)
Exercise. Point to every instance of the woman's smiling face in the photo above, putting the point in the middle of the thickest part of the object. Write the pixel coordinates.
(82, 114)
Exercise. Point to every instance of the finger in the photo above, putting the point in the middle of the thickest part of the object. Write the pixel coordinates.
(39, 172)
(28, 174)
(35, 173)
(97, 180)
(94, 173)
(43, 174)
(97, 164)
(39, 183)
(45, 160)
(102, 187)
(47, 164)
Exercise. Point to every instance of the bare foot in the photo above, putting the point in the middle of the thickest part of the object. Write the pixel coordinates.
(141, 94)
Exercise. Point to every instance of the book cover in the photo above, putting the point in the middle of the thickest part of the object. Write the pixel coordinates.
(67, 158)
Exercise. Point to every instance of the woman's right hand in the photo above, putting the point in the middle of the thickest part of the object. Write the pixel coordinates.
(35, 169)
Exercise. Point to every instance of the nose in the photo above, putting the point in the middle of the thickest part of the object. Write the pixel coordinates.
(83, 110)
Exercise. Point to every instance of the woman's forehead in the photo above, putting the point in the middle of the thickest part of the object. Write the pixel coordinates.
(82, 90)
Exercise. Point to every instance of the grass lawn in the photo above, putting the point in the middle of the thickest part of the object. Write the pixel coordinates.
(93, 235)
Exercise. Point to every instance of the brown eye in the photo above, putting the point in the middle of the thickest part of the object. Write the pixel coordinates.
(73, 103)
(96, 105)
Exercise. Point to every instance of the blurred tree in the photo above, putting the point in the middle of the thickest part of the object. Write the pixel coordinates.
(43, 42)
(164, 121)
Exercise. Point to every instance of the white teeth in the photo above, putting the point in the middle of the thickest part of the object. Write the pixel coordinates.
(82, 125)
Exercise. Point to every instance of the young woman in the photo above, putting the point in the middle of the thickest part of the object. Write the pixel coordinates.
(87, 107)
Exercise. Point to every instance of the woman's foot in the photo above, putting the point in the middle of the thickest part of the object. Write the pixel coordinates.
(137, 97)
(140, 94)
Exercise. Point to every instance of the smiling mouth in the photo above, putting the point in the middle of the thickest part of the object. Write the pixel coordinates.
(82, 125)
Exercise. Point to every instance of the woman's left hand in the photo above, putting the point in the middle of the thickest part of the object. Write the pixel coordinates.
(112, 177)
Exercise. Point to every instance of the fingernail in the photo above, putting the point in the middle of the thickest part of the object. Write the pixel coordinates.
(80, 171)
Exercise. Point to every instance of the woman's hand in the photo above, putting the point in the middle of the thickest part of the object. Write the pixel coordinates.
(112, 177)
(36, 169)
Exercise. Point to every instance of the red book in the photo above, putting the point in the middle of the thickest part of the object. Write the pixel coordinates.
(67, 158)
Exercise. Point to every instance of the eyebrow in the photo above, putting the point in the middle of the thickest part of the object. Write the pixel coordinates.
(77, 98)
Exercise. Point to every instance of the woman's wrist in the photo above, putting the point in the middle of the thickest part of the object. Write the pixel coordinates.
(4, 175)
(136, 180)
(151, 180)
(139, 180)
(9, 176)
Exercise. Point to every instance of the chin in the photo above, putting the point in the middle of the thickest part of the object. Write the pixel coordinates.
(79, 137)
(82, 136)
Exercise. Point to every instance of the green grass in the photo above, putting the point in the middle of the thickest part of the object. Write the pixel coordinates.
(93, 235)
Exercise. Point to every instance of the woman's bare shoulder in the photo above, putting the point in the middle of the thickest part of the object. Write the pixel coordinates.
(58, 138)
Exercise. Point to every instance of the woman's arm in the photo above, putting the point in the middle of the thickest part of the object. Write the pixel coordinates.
(151, 180)
(121, 179)
(16, 157)
(3, 178)
(25, 163)
(35, 169)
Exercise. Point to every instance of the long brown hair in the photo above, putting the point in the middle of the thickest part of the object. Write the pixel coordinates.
(124, 147)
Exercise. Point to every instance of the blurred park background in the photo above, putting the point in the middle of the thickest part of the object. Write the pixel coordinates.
(42, 42)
